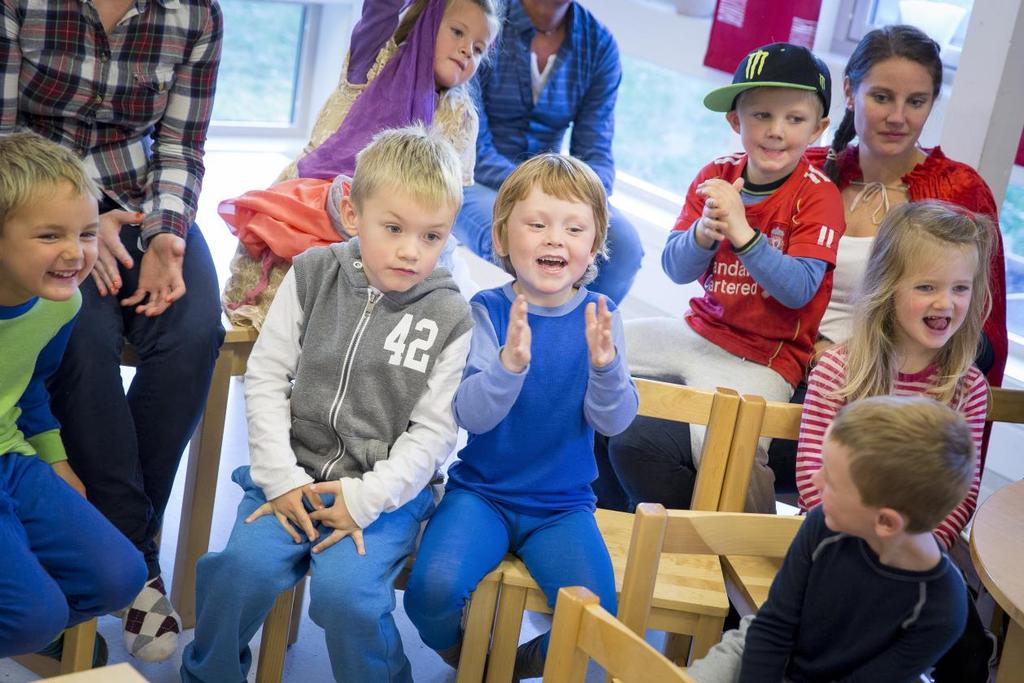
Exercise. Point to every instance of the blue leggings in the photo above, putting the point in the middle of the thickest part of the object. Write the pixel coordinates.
(61, 561)
(469, 535)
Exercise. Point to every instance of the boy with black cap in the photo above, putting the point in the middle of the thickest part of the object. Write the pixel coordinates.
(759, 230)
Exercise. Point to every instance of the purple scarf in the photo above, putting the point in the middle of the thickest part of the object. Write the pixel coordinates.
(403, 92)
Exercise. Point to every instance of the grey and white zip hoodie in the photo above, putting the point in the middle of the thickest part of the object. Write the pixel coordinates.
(347, 382)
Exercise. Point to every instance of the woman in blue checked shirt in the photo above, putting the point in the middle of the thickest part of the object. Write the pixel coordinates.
(128, 84)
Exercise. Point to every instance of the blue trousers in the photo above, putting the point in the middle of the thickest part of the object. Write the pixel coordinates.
(614, 275)
(351, 596)
(126, 448)
(469, 535)
(61, 562)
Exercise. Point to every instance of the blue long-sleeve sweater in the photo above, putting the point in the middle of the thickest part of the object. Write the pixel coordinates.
(531, 434)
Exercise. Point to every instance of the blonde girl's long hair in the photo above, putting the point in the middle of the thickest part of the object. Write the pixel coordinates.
(908, 232)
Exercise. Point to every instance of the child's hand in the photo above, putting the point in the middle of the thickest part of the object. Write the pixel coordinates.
(291, 513)
(338, 518)
(515, 355)
(724, 215)
(599, 333)
(64, 471)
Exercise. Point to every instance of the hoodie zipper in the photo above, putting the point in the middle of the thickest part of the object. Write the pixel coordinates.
(372, 297)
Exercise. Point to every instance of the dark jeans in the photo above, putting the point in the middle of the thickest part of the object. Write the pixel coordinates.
(650, 462)
(126, 447)
(782, 452)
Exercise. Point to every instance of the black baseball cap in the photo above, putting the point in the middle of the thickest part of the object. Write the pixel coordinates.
(779, 65)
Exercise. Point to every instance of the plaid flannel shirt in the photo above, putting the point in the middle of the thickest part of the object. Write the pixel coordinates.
(134, 104)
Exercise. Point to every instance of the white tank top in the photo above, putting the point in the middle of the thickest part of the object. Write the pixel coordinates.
(851, 262)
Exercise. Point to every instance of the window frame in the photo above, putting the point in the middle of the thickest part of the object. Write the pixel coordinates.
(305, 73)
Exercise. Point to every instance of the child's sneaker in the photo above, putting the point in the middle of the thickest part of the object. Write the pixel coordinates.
(151, 626)
(55, 650)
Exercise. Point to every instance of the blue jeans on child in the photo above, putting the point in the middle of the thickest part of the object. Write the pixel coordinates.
(351, 596)
(614, 276)
(126, 448)
(469, 535)
(61, 561)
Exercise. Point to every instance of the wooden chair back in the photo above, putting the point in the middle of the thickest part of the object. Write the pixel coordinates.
(718, 410)
(694, 532)
(583, 630)
(756, 419)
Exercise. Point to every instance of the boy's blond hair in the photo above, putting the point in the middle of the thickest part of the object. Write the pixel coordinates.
(909, 453)
(412, 160)
(560, 176)
(30, 163)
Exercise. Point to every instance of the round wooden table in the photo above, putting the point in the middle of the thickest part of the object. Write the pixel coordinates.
(997, 550)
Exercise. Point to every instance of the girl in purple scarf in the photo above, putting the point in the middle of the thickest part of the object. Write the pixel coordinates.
(399, 69)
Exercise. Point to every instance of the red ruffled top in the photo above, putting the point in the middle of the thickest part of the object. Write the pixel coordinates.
(939, 177)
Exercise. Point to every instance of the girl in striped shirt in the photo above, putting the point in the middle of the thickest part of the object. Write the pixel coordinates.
(924, 298)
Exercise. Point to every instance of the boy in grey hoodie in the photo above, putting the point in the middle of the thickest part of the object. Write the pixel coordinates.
(348, 396)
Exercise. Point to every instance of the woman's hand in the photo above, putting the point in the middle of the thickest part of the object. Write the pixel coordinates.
(160, 279)
(106, 273)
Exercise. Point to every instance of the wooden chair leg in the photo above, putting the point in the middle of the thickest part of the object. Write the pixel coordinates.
(296, 614)
(79, 643)
(709, 632)
(274, 642)
(677, 647)
(200, 488)
(508, 623)
(477, 638)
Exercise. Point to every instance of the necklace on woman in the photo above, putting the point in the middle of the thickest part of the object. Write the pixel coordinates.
(548, 32)
(868, 191)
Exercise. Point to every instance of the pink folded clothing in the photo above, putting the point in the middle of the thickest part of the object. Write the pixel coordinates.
(287, 218)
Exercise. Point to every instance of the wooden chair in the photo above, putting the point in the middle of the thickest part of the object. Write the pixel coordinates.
(281, 628)
(690, 599)
(79, 642)
(583, 630)
(657, 531)
(202, 466)
(752, 576)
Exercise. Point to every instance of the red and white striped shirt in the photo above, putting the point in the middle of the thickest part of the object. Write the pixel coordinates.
(820, 409)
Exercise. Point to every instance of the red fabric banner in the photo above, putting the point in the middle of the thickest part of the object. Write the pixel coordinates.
(740, 26)
(1020, 150)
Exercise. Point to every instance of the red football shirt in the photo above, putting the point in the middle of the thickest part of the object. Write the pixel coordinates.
(805, 218)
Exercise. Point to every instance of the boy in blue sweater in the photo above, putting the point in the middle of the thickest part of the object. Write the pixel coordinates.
(545, 371)
(61, 561)
(865, 592)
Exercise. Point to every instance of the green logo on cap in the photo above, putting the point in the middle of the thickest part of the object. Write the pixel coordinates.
(755, 63)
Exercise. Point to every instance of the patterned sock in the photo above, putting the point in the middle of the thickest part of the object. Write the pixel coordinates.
(151, 626)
